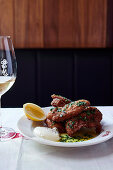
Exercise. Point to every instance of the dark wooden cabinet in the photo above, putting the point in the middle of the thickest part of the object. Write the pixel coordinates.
(57, 23)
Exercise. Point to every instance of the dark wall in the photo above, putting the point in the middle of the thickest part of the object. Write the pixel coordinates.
(73, 73)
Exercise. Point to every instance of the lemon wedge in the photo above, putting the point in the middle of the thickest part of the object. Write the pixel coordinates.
(34, 112)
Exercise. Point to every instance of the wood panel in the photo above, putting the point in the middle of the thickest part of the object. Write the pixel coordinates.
(51, 12)
(75, 23)
(66, 24)
(28, 23)
(90, 23)
(6, 18)
(57, 23)
(109, 32)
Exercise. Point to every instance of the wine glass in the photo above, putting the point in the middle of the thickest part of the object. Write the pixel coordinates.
(8, 71)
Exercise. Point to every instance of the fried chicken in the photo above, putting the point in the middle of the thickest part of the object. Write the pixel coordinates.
(90, 117)
(59, 101)
(68, 111)
(60, 126)
(72, 116)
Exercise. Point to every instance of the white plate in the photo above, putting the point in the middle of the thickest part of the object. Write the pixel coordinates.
(26, 128)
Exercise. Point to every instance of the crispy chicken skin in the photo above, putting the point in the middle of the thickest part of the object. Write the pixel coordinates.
(68, 111)
(52, 113)
(83, 102)
(59, 126)
(59, 101)
(92, 114)
(73, 125)
(67, 114)
(89, 118)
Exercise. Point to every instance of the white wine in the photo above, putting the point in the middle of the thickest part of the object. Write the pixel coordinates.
(6, 83)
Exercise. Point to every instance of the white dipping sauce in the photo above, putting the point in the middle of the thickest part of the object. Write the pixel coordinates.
(47, 133)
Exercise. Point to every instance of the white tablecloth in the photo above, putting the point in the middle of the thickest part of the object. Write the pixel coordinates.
(23, 154)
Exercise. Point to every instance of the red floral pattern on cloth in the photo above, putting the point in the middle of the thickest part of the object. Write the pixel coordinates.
(107, 133)
(18, 135)
(11, 134)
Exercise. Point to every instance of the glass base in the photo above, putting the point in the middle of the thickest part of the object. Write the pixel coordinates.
(6, 134)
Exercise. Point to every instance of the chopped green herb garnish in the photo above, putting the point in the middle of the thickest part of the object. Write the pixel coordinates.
(77, 138)
(79, 103)
(61, 115)
(70, 125)
(51, 109)
(63, 111)
(73, 122)
(93, 111)
(85, 118)
(53, 123)
(88, 112)
(59, 110)
(80, 117)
